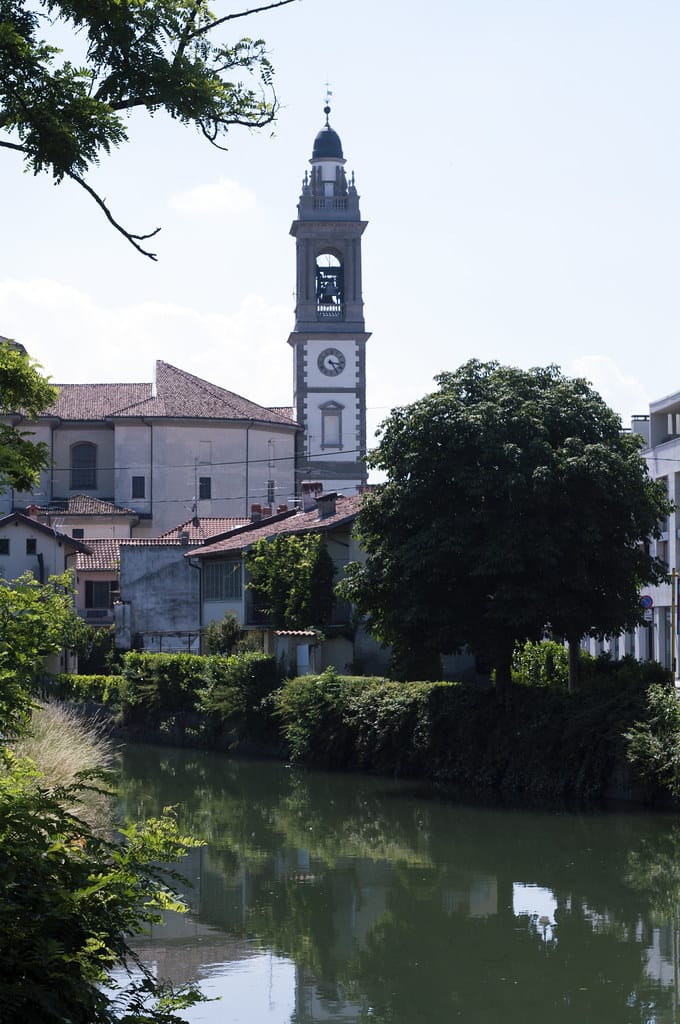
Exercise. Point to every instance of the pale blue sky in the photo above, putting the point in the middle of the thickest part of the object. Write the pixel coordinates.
(518, 162)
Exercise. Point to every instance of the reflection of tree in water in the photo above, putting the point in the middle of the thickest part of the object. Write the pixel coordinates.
(363, 883)
(499, 968)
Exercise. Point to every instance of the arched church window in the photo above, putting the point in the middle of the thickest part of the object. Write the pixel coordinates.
(330, 287)
(84, 467)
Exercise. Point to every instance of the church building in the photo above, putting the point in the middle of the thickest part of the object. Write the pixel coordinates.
(159, 452)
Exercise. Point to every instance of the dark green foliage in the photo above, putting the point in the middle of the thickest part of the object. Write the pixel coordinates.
(545, 744)
(99, 689)
(157, 55)
(22, 389)
(513, 500)
(234, 692)
(69, 898)
(68, 902)
(312, 713)
(545, 663)
(223, 637)
(162, 685)
(654, 742)
(292, 580)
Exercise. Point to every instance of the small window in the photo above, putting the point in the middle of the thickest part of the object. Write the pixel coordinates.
(222, 580)
(31, 546)
(204, 487)
(4, 545)
(77, 532)
(138, 486)
(98, 593)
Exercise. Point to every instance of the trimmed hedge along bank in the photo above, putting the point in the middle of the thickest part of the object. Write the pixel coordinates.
(618, 737)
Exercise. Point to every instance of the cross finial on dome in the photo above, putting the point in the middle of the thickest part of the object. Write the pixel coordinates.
(327, 108)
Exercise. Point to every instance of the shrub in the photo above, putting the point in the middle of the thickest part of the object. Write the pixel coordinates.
(109, 690)
(234, 691)
(312, 712)
(654, 742)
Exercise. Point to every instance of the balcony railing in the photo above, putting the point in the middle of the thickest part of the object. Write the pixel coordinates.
(97, 616)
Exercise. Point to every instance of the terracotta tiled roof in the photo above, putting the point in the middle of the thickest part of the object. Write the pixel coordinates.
(177, 395)
(284, 410)
(104, 556)
(85, 505)
(95, 401)
(303, 522)
(203, 528)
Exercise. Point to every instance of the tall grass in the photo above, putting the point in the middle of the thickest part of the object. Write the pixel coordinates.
(62, 744)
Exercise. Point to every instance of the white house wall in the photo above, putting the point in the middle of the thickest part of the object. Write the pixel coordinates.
(54, 555)
(159, 592)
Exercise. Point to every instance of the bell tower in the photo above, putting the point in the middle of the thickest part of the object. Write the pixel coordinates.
(329, 337)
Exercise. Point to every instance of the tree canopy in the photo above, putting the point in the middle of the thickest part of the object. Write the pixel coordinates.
(25, 391)
(515, 507)
(292, 578)
(64, 113)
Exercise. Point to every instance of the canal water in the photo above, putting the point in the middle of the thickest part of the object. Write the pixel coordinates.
(342, 898)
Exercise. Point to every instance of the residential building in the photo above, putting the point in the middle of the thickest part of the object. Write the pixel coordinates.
(224, 578)
(158, 604)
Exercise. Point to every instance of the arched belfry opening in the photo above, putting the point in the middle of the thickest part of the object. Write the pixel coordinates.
(330, 287)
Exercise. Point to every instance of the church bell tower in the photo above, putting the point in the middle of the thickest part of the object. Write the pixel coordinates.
(329, 338)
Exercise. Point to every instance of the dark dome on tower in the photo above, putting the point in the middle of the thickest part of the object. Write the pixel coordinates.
(327, 144)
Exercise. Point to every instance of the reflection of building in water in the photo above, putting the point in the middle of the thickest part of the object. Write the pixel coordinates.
(317, 1000)
(474, 896)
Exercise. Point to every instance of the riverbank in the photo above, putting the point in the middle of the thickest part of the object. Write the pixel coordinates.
(617, 738)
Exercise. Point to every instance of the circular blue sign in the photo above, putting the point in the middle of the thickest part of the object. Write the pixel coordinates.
(646, 601)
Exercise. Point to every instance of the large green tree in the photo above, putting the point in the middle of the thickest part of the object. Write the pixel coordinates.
(26, 392)
(63, 111)
(292, 578)
(514, 505)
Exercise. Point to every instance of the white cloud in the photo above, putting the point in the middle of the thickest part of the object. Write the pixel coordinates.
(622, 391)
(78, 340)
(223, 196)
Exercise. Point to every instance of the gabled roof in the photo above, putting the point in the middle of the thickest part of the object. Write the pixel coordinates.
(203, 528)
(34, 524)
(177, 395)
(85, 505)
(103, 556)
(346, 512)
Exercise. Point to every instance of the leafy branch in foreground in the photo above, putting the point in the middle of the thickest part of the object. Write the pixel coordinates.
(157, 55)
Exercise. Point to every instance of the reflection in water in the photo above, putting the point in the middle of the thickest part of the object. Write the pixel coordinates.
(344, 898)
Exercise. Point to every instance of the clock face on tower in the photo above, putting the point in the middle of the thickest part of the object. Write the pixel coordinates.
(331, 362)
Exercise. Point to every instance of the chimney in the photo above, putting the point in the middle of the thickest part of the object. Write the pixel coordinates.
(255, 513)
(32, 511)
(326, 504)
(310, 490)
(266, 511)
(184, 538)
(280, 509)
